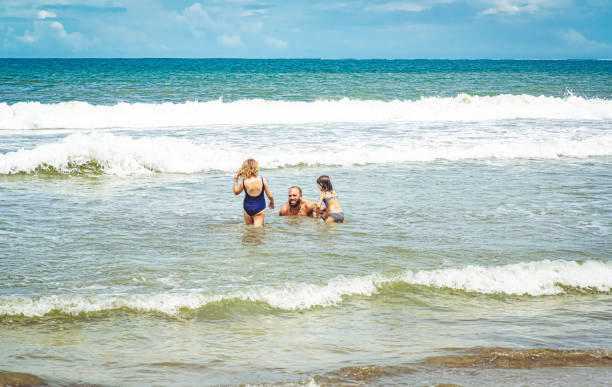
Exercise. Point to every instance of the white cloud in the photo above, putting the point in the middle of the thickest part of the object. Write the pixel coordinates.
(27, 37)
(42, 14)
(276, 43)
(249, 2)
(575, 38)
(397, 6)
(253, 12)
(257, 26)
(45, 31)
(327, 6)
(233, 41)
(502, 7)
(59, 27)
(196, 18)
(513, 7)
(409, 27)
(196, 12)
(408, 6)
(74, 39)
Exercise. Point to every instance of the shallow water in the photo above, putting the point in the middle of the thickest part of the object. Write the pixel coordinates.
(477, 231)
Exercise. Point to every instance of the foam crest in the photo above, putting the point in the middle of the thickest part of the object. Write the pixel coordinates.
(305, 296)
(463, 107)
(287, 297)
(529, 278)
(118, 155)
(123, 155)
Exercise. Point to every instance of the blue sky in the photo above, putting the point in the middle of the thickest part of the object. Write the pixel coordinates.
(518, 29)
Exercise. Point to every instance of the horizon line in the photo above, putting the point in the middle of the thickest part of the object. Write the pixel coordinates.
(315, 58)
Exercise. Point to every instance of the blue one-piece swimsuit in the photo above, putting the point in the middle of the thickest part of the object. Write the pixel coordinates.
(254, 204)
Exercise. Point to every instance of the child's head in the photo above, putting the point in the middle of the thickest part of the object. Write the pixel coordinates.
(249, 168)
(325, 183)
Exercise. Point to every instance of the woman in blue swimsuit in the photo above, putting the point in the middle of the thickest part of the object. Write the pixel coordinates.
(254, 204)
(333, 212)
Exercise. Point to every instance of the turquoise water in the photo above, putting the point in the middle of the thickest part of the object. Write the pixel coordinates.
(478, 203)
(108, 81)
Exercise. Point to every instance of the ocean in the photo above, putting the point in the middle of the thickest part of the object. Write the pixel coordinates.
(476, 248)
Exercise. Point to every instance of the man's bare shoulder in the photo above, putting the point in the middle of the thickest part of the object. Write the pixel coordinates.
(309, 207)
(309, 204)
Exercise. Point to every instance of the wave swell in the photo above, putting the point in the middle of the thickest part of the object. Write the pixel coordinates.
(106, 153)
(463, 107)
(530, 278)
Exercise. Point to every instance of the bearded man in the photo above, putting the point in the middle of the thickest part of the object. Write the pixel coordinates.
(296, 205)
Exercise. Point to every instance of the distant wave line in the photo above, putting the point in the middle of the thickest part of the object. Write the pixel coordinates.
(82, 115)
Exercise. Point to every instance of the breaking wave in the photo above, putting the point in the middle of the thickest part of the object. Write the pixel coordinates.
(542, 278)
(463, 107)
(106, 153)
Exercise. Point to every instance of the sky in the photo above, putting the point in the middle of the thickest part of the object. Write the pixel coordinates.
(391, 29)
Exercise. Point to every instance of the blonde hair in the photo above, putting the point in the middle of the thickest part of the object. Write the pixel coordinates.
(249, 168)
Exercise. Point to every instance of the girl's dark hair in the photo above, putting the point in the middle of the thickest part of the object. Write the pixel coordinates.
(325, 183)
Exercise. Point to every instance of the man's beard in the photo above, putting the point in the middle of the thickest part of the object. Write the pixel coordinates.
(297, 203)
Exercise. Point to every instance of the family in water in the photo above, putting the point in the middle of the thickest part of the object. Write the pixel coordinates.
(254, 204)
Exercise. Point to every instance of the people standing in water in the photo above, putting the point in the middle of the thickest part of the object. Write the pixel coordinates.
(333, 211)
(254, 186)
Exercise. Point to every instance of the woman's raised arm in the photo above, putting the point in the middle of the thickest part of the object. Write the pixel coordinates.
(237, 186)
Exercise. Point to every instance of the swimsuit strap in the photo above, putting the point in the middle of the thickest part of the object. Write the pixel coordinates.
(244, 187)
(329, 198)
(263, 187)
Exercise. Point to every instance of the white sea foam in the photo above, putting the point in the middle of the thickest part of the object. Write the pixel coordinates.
(117, 155)
(529, 278)
(463, 107)
(124, 155)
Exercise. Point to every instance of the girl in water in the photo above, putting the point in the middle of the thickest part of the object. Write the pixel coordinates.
(333, 212)
(254, 204)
